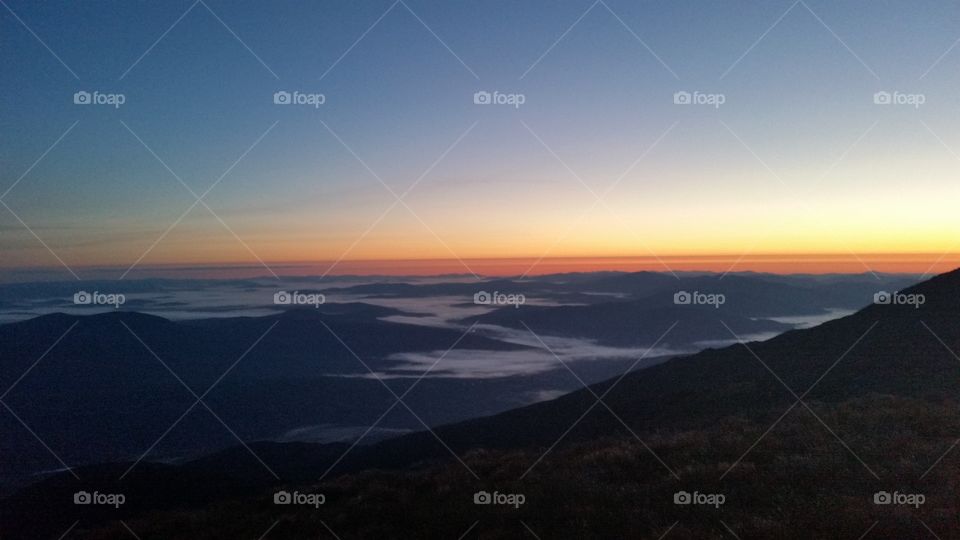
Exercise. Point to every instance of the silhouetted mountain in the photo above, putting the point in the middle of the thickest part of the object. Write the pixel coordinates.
(116, 381)
(886, 379)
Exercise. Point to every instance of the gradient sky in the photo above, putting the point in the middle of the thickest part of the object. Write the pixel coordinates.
(798, 160)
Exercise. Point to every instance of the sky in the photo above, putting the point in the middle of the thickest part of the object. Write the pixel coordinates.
(787, 154)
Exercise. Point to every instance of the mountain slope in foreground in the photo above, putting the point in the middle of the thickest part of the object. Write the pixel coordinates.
(795, 435)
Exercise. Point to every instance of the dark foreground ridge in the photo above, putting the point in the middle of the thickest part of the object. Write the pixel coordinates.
(800, 434)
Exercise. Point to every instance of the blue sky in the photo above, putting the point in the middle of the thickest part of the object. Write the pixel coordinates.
(798, 89)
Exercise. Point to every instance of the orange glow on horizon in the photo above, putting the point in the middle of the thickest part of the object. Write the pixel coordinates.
(909, 263)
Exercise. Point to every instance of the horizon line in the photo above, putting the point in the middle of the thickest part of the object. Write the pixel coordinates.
(772, 263)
